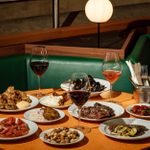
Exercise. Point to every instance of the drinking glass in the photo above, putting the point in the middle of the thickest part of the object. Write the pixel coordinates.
(79, 92)
(39, 63)
(111, 68)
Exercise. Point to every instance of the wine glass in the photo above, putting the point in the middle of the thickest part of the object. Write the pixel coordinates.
(111, 68)
(39, 63)
(79, 92)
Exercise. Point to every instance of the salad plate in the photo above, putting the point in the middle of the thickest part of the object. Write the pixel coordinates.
(105, 128)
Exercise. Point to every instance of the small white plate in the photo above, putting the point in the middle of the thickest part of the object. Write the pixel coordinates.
(104, 128)
(118, 110)
(65, 86)
(129, 110)
(32, 129)
(43, 101)
(41, 120)
(34, 102)
(41, 136)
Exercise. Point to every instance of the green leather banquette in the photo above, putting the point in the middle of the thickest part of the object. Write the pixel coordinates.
(16, 71)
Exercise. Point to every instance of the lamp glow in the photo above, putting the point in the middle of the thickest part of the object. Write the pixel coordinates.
(98, 11)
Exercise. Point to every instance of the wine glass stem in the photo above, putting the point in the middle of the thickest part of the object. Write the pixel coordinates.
(79, 119)
(110, 91)
(39, 83)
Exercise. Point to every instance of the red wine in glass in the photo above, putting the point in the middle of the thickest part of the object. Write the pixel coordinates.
(39, 63)
(79, 92)
(39, 67)
(79, 97)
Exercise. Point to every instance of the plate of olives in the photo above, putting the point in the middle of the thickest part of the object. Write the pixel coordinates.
(97, 85)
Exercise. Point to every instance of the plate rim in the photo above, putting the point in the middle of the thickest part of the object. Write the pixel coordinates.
(61, 113)
(53, 106)
(34, 103)
(92, 93)
(95, 120)
(32, 126)
(61, 144)
(104, 125)
(128, 110)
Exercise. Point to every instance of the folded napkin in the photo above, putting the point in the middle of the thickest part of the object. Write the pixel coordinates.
(137, 69)
(133, 75)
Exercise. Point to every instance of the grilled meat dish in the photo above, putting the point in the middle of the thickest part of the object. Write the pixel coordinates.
(98, 111)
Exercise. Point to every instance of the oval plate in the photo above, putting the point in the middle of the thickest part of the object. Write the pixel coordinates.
(41, 136)
(34, 102)
(104, 128)
(32, 129)
(65, 86)
(43, 99)
(36, 110)
(118, 110)
(129, 110)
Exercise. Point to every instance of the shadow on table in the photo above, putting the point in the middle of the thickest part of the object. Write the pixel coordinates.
(146, 148)
(136, 142)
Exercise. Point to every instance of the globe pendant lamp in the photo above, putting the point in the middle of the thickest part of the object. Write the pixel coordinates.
(98, 11)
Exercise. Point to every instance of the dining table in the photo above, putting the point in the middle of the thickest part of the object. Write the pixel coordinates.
(93, 140)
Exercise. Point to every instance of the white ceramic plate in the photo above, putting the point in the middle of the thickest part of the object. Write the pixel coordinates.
(41, 136)
(29, 115)
(118, 110)
(34, 103)
(129, 110)
(32, 129)
(43, 101)
(104, 127)
(65, 86)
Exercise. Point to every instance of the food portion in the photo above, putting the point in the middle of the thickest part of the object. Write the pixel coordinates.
(62, 136)
(50, 113)
(43, 114)
(12, 127)
(95, 86)
(13, 99)
(98, 111)
(143, 110)
(56, 99)
(127, 130)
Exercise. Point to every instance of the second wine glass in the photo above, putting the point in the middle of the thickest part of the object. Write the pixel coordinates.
(79, 92)
(111, 68)
(39, 63)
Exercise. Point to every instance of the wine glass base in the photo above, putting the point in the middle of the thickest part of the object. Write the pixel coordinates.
(83, 129)
(106, 94)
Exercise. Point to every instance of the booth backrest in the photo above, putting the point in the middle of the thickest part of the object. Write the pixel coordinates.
(13, 72)
(16, 71)
(141, 50)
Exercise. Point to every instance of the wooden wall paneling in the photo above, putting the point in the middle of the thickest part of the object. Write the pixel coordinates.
(12, 50)
(76, 51)
(47, 34)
